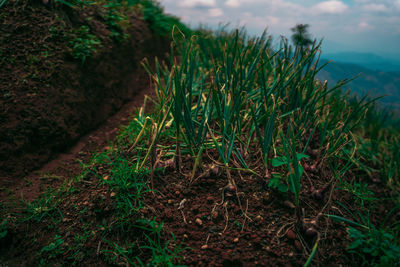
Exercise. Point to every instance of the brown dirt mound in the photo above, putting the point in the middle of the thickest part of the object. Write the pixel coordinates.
(49, 99)
(253, 226)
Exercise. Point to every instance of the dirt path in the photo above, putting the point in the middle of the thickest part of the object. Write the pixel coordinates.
(67, 165)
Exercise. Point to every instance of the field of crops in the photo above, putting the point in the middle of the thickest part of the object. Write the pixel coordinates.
(243, 159)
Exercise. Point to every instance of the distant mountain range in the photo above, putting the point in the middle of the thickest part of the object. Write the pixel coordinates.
(380, 79)
(366, 60)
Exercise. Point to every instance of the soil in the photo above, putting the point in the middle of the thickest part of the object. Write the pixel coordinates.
(254, 225)
(49, 99)
(249, 225)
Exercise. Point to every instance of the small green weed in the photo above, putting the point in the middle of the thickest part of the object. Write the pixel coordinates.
(360, 191)
(77, 251)
(116, 20)
(51, 250)
(32, 60)
(45, 205)
(278, 183)
(375, 246)
(83, 43)
(163, 254)
(283, 185)
(3, 229)
(128, 182)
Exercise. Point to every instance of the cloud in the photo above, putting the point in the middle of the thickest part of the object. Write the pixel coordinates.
(330, 7)
(232, 3)
(198, 3)
(376, 8)
(360, 24)
(364, 26)
(215, 12)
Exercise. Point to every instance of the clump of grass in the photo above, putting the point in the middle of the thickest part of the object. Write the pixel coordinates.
(44, 206)
(83, 43)
(127, 183)
(375, 247)
(117, 20)
(236, 96)
(225, 81)
(52, 250)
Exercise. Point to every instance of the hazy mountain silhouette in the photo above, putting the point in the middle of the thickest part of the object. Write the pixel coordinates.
(376, 83)
(366, 60)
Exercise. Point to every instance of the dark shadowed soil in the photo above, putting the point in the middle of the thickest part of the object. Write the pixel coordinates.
(48, 98)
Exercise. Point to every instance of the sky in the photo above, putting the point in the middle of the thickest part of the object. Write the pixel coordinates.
(371, 26)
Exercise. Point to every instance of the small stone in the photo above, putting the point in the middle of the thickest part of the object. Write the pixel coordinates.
(199, 222)
(112, 194)
(236, 240)
(215, 215)
(311, 232)
(289, 204)
(230, 188)
(298, 245)
(317, 194)
(170, 201)
(266, 197)
(291, 234)
(185, 236)
(313, 168)
(214, 169)
(106, 177)
(204, 246)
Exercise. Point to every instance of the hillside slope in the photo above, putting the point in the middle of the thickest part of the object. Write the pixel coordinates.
(66, 69)
(367, 60)
(375, 83)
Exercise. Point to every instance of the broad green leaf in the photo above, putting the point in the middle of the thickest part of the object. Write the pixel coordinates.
(279, 161)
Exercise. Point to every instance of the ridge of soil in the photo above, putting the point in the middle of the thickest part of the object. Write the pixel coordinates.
(67, 165)
(253, 226)
(49, 100)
